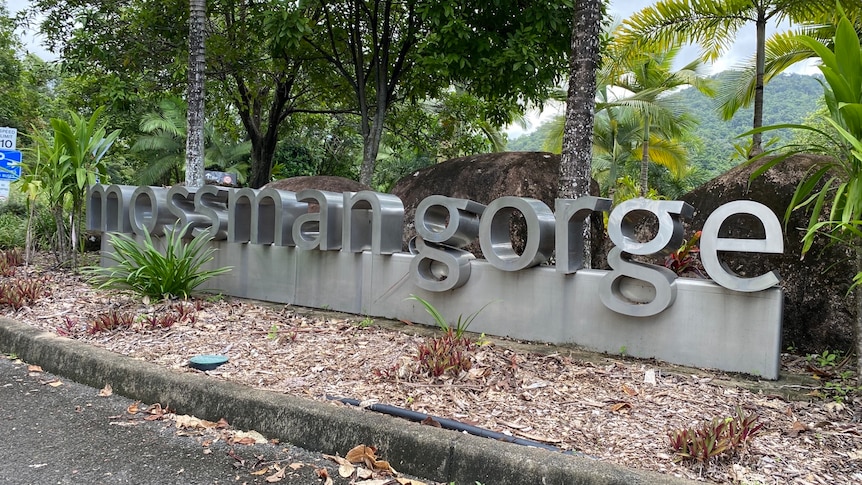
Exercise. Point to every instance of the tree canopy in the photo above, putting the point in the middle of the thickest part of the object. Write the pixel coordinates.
(270, 60)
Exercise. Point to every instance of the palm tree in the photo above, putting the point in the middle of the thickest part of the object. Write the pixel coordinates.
(618, 150)
(714, 24)
(163, 144)
(645, 78)
(576, 157)
(618, 143)
(782, 50)
(222, 154)
(195, 115)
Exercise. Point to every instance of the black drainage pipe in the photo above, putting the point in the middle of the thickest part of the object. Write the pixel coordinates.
(451, 424)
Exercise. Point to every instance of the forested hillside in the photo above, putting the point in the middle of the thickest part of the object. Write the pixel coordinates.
(789, 98)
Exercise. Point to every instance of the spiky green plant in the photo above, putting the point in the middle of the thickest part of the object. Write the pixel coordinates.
(460, 326)
(147, 271)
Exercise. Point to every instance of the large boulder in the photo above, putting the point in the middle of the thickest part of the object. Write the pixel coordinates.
(484, 178)
(321, 182)
(328, 183)
(818, 313)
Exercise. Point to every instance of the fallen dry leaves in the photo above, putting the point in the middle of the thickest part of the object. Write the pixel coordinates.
(615, 410)
(361, 462)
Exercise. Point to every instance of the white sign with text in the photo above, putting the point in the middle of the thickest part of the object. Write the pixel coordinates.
(8, 138)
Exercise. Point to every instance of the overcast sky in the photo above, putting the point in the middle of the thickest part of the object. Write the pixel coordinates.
(31, 43)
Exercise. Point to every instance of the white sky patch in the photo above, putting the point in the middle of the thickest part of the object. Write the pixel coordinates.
(29, 37)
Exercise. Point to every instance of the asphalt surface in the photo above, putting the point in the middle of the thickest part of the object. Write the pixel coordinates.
(80, 451)
(69, 434)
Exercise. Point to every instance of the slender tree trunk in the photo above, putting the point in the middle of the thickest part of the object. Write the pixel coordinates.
(645, 159)
(612, 172)
(760, 63)
(371, 143)
(28, 240)
(195, 119)
(370, 149)
(61, 243)
(577, 153)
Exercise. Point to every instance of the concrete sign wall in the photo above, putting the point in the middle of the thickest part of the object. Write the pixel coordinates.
(348, 257)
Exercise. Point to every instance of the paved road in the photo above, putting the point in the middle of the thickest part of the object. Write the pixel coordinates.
(68, 434)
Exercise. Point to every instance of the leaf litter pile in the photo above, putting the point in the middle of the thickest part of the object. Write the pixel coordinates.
(612, 409)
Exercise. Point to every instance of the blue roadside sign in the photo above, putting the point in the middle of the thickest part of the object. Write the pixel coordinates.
(10, 164)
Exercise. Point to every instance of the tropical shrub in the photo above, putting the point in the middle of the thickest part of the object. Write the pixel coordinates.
(832, 189)
(147, 271)
(65, 163)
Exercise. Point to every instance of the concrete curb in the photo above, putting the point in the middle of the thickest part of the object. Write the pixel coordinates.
(423, 451)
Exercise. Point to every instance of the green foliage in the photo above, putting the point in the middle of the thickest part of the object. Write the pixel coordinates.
(533, 141)
(63, 165)
(293, 160)
(645, 78)
(450, 352)
(789, 99)
(826, 359)
(12, 231)
(629, 188)
(147, 271)
(525, 60)
(718, 437)
(393, 166)
(163, 145)
(840, 177)
(714, 25)
(464, 122)
(841, 390)
(10, 67)
(316, 144)
(460, 325)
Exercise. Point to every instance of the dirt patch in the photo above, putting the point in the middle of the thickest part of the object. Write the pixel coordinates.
(613, 409)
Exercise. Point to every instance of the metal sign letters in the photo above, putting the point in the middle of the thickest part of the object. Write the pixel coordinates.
(353, 222)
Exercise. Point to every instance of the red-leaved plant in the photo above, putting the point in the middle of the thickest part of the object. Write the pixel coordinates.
(719, 436)
(686, 259)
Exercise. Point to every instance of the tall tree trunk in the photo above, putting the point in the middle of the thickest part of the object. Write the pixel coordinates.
(370, 149)
(262, 153)
(760, 63)
(371, 136)
(263, 133)
(195, 118)
(577, 154)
